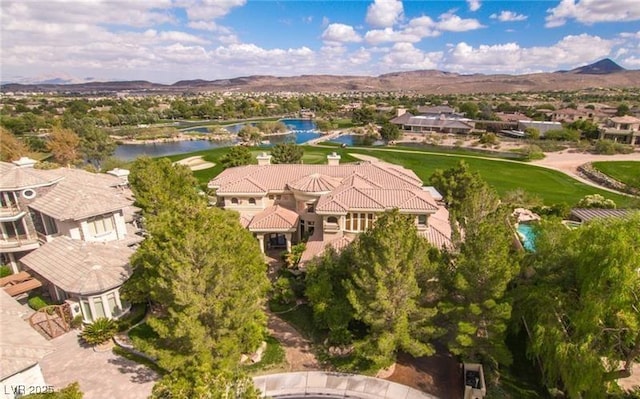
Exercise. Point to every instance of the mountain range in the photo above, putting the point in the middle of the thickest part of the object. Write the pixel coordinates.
(602, 74)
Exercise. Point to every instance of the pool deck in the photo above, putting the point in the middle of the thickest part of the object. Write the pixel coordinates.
(329, 384)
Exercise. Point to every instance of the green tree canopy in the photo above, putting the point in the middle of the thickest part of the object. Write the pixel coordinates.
(236, 156)
(326, 292)
(204, 383)
(389, 131)
(96, 145)
(206, 274)
(287, 153)
(581, 304)
(390, 280)
(161, 185)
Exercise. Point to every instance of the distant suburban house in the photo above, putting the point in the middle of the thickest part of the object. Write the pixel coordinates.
(21, 349)
(447, 122)
(71, 231)
(328, 204)
(542, 126)
(583, 215)
(622, 129)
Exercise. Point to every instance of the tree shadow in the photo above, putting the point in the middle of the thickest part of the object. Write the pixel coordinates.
(139, 374)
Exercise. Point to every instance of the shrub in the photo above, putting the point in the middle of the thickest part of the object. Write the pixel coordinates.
(37, 302)
(5, 271)
(489, 138)
(100, 331)
(562, 134)
(609, 147)
(596, 201)
(76, 322)
(282, 291)
(533, 152)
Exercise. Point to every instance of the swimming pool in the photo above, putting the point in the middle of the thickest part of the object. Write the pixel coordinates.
(527, 236)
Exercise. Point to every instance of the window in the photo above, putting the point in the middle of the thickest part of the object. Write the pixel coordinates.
(49, 224)
(234, 201)
(271, 196)
(422, 220)
(311, 227)
(278, 197)
(86, 310)
(310, 208)
(97, 305)
(113, 305)
(7, 199)
(332, 219)
(101, 225)
(28, 193)
(252, 201)
(359, 221)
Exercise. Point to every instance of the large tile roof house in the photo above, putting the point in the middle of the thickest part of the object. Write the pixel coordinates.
(71, 231)
(21, 349)
(622, 129)
(328, 204)
(442, 123)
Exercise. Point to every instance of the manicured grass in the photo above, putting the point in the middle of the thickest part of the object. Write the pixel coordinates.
(627, 172)
(552, 186)
(312, 155)
(300, 317)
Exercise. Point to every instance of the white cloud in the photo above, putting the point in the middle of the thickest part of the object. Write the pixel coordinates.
(404, 56)
(202, 10)
(474, 5)
(592, 11)
(571, 51)
(508, 16)
(384, 13)
(174, 36)
(632, 62)
(340, 33)
(453, 23)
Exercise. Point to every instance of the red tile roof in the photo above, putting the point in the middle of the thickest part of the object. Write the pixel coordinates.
(274, 218)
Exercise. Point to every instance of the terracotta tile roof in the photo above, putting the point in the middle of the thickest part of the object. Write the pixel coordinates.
(245, 220)
(20, 345)
(81, 194)
(625, 119)
(274, 218)
(14, 178)
(316, 246)
(277, 177)
(315, 183)
(354, 198)
(81, 267)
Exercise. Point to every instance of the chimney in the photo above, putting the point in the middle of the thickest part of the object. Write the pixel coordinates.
(264, 159)
(333, 159)
(25, 162)
(122, 174)
(401, 111)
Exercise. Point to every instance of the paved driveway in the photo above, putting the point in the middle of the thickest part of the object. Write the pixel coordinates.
(101, 375)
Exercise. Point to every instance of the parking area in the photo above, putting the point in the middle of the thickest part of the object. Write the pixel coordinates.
(100, 374)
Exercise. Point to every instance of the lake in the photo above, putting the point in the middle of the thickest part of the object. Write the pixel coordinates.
(357, 140)
(302, 130)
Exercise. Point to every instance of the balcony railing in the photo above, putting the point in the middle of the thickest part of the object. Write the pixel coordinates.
(18, 241)
(10, 212)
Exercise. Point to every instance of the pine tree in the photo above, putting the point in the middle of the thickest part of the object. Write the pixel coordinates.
(390, 274)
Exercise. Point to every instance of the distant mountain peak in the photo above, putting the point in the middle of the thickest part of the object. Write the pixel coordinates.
(601, 67)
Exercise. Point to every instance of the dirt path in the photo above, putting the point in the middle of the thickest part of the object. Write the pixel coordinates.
(297, 349)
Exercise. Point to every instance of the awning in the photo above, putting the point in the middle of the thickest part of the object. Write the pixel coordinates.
(20, 283)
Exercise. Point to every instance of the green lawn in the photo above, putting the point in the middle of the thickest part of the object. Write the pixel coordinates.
(552, 186)
(627, 172)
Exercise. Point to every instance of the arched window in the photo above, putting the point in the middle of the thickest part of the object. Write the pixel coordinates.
(332, 219)
(252, 201)
(234, 201)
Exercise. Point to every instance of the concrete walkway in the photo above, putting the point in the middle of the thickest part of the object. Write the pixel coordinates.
(334, 385)
(100, 374)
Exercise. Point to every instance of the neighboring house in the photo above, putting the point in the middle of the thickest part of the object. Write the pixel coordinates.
(430, 123)
(583, 215)
(71, 230)
(438, 110)
(622, 129)
(542, 126)
(21, 349)
(328, 204)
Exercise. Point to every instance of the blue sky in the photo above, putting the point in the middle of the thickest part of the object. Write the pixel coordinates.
(170, 40)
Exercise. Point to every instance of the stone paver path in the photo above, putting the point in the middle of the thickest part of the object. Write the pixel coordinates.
(100, 374)
(297, 349)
